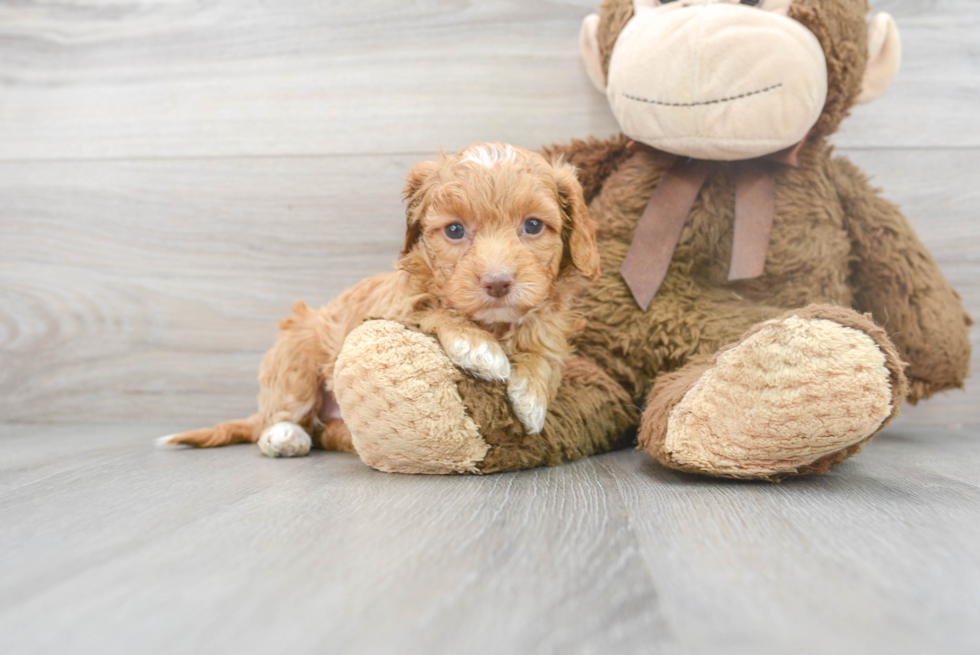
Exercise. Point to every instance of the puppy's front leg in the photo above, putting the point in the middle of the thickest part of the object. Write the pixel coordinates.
(468, 346)
(533, 384)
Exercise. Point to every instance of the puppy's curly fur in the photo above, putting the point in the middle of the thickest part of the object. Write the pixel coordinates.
(493, 235)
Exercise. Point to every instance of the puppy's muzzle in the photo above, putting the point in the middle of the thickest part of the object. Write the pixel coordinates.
(497, 285)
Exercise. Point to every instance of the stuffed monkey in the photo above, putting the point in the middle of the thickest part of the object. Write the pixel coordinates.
(759, 301)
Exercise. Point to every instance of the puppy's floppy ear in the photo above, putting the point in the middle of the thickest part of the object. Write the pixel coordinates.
(415, 187)
(579, 232)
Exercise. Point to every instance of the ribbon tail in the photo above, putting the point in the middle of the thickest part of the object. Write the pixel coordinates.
(659, 229)
(755, 209)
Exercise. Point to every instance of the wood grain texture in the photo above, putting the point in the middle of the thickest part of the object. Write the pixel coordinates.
(156, 216)
(878, 557)
(175, 173)
(150, 289)
(110, 546)
(124, 283)
(197, 78)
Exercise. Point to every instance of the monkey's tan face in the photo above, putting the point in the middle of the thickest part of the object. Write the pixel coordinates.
(716, 79)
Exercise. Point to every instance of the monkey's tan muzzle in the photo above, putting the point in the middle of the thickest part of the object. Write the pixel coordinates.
(716, 80)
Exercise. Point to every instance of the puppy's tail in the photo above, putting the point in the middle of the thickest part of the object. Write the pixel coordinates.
(244, 430)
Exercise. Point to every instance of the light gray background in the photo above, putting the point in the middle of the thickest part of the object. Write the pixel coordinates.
(173, 174)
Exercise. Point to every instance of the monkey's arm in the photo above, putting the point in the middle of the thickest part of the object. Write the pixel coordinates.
(895, 278)
(594, 158)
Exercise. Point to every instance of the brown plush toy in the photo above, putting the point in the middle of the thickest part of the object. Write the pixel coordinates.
(762, 304)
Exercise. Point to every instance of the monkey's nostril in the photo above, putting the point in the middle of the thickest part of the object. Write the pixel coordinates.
(497, 286)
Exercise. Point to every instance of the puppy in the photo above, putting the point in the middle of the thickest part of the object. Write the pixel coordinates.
(494, 232)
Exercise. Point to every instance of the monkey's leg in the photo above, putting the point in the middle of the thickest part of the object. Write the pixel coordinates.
(591, 414)
(410, 410)
(794, 395)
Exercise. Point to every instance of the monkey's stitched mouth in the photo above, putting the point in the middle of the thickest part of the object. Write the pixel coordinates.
(717, 101)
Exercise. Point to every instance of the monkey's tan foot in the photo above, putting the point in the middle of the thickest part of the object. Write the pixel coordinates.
(285, 439)
(794, 395)
(398, 395)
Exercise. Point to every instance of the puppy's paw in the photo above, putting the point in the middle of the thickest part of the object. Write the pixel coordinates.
(285, 440)
(530, 403)
(484, 359)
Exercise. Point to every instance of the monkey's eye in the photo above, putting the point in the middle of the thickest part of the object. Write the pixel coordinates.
(533, 226)
(455, 231)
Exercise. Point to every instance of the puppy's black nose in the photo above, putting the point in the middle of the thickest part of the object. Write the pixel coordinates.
(497, 285)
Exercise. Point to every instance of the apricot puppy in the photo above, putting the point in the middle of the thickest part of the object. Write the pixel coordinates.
(493, 233)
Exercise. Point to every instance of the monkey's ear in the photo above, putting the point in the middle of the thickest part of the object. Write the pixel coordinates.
(588, 43)
(414, 191)
(884, 57)
(579, 232)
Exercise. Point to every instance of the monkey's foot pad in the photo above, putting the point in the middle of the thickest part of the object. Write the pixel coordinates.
(397, 393)
(796, 390)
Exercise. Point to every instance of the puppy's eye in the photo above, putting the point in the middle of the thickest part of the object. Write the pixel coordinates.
(752, 3)
(533, 226)
(455, 231)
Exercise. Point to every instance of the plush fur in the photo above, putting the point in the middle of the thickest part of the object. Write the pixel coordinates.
(493, 236)
(844, 274)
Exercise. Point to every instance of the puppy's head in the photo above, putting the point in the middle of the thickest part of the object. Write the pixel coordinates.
(492, 228)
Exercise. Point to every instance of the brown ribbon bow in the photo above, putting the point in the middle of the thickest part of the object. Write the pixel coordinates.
(660, 225)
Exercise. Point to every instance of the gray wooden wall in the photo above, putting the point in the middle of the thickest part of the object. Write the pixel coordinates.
(173, 174)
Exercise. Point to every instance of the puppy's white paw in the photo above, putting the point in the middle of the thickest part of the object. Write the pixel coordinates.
(529, 404)
(484, 359)
(285, 440)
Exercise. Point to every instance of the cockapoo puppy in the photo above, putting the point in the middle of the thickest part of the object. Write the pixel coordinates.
(494, 232)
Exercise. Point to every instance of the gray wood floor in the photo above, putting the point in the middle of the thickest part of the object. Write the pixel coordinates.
(110, 546)
(173, 174)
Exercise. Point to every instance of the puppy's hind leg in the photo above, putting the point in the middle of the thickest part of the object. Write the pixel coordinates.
(292, 382)
(288, 401)
(332, 433)
(336, 436)
(285, 439)
(282, 439)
